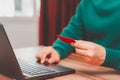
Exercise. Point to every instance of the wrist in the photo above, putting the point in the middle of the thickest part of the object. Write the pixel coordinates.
(103, 55)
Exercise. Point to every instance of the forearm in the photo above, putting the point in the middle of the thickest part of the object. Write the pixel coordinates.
(70, 31)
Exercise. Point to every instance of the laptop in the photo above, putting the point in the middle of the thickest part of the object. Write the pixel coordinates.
(21, 69)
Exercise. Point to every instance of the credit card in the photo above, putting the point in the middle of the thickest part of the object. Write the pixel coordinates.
(65, 39)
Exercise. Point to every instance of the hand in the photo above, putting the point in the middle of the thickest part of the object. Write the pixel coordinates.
(90, 52)
(49, 55)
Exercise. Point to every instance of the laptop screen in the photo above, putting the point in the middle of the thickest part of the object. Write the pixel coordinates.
(8, 63)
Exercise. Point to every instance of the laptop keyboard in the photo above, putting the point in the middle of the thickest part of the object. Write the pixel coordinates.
(31, 69)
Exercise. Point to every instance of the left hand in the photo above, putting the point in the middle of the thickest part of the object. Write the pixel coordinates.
(90, 52)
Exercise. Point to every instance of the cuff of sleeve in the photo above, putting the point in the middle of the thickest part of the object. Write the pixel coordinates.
(109, 59)
(60, 52)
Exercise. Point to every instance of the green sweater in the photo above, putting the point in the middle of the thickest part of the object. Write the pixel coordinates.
(97, 21)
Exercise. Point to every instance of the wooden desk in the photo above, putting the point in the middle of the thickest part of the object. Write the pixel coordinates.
(83, 71)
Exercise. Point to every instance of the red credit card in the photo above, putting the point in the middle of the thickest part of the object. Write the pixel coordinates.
(65, 39)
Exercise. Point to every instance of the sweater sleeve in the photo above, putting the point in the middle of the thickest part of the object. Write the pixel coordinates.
(72, 30)
(112, 58)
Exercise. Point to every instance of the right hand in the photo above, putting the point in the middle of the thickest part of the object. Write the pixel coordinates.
(54, 56)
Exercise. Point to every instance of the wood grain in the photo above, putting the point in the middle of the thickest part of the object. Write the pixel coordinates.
(85, 71)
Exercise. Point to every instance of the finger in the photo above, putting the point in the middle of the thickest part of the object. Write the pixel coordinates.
(38, 56)
(86, 53)
(52, 59)
(46, 60)
(81, 44)
(43, 58)
(81, 52)
(85, 58)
